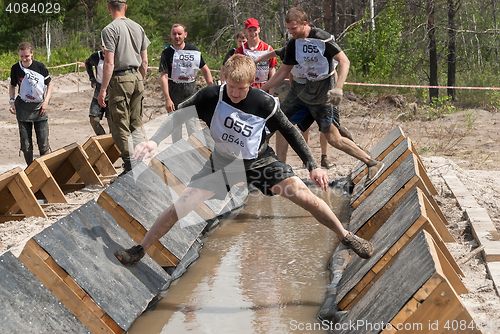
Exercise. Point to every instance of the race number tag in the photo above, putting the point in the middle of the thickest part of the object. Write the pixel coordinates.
(309, 53)
(185, 65)
(32, 88)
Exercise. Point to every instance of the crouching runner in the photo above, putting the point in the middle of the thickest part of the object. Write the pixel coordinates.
(238, 115)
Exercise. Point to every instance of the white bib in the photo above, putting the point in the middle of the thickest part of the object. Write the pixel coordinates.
(185, 65)
(99, 69)
(236, 133)
(298, 74)
(262, 72)
(32, 88)
(309, 53)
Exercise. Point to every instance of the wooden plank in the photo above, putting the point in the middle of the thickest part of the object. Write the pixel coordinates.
(90, 235)
(391, 162)
(30, 256)
(197, 145)
(42, 179)
(28, 306)
(379, 152)
(82, 166)
(135, 230)
(485, 233)
(20, 188)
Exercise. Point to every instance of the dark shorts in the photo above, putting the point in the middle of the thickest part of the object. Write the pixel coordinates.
(260, 178)
(96, 110)
(304, 115)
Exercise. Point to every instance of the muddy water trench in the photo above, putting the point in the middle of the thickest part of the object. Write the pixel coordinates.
(265, 271)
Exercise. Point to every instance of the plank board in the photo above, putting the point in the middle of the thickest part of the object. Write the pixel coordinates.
(144, 196)
(83, 245)
(28, 306)
(16, 194)
(407, 220)
(205, 138)
(391, 161)
(408, 273)
(379, 205)
(379, 151)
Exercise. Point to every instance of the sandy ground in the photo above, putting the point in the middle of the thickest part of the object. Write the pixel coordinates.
(466, 142)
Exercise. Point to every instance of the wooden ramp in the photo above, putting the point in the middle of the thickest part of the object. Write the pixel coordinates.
(391, 162)
(413, 215)
(28, 306)
(202, 141)
(74, 258)
(17, 200)
(51, 173)
(136, 199)
(387, 144)
(102, 154)
(371, 213)
(414, 293)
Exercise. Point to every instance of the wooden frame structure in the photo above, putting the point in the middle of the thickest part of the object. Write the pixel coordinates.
(412, 216)
(16, 196)
(102, 154)
(51, 173)
(60, 283)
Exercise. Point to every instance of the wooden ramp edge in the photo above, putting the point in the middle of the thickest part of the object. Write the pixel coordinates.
(379, 152)
(403, 225)
(412, 294)
(157, 252)
(57, 280)
(102, 154)
(17, 200)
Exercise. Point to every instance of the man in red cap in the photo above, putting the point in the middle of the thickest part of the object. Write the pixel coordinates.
(255, 48)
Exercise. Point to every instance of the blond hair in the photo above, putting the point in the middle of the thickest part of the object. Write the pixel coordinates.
(296, 14)
(178, 25)
(240, 69)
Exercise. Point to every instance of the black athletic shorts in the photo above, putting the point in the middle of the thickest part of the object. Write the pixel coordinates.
(261, 178)
(323, 114)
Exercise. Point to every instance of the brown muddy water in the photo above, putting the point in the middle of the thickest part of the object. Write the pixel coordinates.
(264, 271)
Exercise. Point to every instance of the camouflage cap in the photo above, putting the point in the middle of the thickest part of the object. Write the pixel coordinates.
(122, 1)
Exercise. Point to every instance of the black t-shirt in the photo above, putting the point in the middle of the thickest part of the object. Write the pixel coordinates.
(17, 74)
(332, 48)
(228, 55)
(257, 103)
(315, 92)
(167, 57)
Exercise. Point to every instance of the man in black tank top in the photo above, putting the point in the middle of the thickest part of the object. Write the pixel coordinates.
(237, 115)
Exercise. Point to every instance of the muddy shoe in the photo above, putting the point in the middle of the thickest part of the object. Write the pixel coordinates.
(363, 248)
(373, 171)
(131, 255)
(325, 162)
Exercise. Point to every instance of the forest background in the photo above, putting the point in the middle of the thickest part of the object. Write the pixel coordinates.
(403, 42)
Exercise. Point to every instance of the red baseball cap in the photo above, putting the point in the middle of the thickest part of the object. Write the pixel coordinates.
(251, 23)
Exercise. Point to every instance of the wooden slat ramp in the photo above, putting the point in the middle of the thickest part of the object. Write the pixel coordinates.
(136, 199)
(391, 161)
(74, 258)
(28, 306)
(412, 215)
(411, 281)
(371, 213)
(413, 294)
(17, 200)
(387, 144)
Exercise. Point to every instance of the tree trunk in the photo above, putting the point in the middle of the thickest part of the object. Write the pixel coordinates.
(452, 47)
(433, 73)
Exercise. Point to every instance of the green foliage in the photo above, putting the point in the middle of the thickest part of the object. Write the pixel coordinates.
(6, 61)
